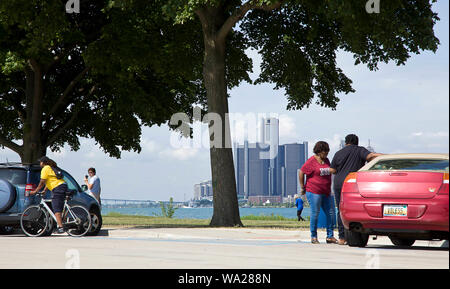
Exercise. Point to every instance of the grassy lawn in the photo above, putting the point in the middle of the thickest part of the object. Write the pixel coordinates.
(278, 222)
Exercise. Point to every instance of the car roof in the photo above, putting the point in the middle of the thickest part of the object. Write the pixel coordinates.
(413, 156)
(17, 165)
(425, 156)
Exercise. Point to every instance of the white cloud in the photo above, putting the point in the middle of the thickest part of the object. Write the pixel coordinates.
(180, 154)
(430, 135)
(287, 127)
(149, 146)
(334, 144)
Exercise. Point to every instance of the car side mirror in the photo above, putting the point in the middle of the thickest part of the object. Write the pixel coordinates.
(84, 188)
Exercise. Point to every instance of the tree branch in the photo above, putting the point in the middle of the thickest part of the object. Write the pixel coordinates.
(67, 123)
(240, 13)
(66, 92)
(11, 145)
(58, 58)
(61, 129)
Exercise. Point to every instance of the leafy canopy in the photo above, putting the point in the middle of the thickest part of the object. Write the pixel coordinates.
(105, 71)
(299, 40)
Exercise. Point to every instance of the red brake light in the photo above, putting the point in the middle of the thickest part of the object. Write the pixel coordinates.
(29, 188)
(350, 185)
(351, 178)
(444, 188)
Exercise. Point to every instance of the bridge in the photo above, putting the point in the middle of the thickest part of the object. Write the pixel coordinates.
(128, 203)
(135, 203)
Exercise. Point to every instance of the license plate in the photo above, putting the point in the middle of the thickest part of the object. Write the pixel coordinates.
(395, 210)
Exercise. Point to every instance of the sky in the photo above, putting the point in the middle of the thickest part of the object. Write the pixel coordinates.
(401, 109)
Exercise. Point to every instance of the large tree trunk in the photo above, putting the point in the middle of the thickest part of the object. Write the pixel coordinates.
(226, 208)
(33, 146)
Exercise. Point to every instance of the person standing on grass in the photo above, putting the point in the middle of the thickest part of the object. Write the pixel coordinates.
(299, 205)
(318, 189)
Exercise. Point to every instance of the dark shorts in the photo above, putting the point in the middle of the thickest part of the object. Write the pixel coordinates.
(58, 195)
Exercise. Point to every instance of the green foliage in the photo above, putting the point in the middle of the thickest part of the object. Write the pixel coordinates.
(137, 62)
(299, 42)
(168, 210)
(105, 72)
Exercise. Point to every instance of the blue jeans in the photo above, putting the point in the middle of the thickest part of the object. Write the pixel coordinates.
(316, 202)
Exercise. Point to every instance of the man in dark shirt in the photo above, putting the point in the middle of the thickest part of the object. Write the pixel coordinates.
(349, 159)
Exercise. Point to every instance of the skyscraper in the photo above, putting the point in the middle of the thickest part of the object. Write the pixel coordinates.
(267, 168)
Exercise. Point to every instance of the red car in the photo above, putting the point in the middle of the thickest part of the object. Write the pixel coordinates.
(402, 196)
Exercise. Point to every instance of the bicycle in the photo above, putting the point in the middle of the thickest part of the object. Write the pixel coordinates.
(38, 220)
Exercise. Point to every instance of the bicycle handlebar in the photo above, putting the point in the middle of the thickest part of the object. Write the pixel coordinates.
(41, 193)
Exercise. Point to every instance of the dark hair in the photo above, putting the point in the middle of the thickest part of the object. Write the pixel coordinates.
(48, 161)
(92, 169)
(321, 146)
(352, 139)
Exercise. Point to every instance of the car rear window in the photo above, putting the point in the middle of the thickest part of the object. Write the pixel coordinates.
(14, 176)
(18, 176)
(411, 165)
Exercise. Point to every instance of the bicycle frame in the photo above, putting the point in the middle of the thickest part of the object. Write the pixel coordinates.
(66, 207)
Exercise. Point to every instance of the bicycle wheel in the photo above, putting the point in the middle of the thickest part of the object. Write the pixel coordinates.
(77, 221)
(34, 221)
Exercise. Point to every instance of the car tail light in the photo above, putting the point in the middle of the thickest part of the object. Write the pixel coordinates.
(350, 185)
(29, 188)
(444, 188)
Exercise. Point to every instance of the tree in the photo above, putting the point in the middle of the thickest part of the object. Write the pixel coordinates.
(102, 74)
(298, 41)
(168, 210)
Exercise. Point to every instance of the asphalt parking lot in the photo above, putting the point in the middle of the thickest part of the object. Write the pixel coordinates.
(212, 248)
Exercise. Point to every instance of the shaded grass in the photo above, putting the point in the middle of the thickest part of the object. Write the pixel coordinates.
(280, 222)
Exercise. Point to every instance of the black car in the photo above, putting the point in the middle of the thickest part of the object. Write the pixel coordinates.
(17, 178)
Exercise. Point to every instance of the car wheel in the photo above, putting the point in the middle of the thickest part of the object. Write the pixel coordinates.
(356, 239)
(97, 222)
(402, 242)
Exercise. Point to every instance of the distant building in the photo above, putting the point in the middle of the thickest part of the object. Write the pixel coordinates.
(266, 168)
(369, 148)
(265, 199)
(203, 190)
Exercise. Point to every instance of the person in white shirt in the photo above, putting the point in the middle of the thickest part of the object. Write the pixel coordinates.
(93, 184)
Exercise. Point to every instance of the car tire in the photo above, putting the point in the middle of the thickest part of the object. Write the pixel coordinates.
(402, 242)
(97, 222)
(356, 239)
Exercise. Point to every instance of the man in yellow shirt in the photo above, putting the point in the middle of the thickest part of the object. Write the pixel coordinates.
(57, 186)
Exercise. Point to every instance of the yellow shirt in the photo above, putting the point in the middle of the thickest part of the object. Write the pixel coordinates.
(49, 176)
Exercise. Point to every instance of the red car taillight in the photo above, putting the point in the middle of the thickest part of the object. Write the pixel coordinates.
(350, 185)
(444, 188)
(29, 188)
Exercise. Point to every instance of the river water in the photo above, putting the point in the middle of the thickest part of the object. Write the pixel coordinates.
(206, 213)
